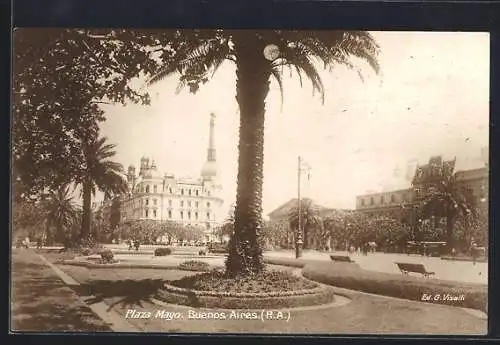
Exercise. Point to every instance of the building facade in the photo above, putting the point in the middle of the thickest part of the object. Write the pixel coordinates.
(393, 203)
(153, 195)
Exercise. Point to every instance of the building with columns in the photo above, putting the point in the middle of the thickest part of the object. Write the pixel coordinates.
(153, 195)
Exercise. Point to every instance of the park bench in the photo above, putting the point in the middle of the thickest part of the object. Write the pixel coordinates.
(406, 268)
(341, 258)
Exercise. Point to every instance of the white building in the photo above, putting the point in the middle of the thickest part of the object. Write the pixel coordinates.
(162, 196)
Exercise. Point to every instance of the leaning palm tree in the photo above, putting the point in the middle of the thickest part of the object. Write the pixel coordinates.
(61, 212)
(310, 221)
(98, 173)
(258, 56)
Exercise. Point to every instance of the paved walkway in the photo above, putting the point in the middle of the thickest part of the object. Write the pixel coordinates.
(42, 299)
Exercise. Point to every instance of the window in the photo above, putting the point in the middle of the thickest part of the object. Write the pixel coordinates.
(182, 203)
(189, 203)
(147, 189)
(371, 200)
(154, 201)
(169, 214)
(208, 225)
(197, 192)
(362, 202)
(189, 215)
(154, 188)
(182, 215)
(147, 201)
(196, 204)
(170, 190)
(208, 193)
(170, 203)
(189, 192)
(208, 215)
(147, 213)
(208, 204)
(154, 213)
(382, 199)
(393, 198)
(182, 191)
(196, 215)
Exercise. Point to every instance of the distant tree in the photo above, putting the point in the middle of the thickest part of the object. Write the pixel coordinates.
(61, 214)
(98, 172)
(310, 220)
(445, 198)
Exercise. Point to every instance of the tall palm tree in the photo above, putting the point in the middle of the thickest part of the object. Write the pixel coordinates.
(310, 221)
(98, 173)
(258, 56)
(61, 212)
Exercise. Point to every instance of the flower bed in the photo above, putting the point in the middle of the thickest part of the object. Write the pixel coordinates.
(194, 265)
(412, 288)
(273, 289)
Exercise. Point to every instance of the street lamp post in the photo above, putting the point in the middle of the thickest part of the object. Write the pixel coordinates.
(299, 237)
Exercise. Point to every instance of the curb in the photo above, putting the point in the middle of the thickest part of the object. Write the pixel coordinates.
(101, 309)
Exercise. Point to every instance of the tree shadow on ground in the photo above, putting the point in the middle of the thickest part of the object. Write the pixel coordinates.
(40, 301)
(130, 293)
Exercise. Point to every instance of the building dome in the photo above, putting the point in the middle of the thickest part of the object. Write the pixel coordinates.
(209, 169)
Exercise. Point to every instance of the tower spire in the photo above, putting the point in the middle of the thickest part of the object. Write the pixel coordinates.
(211, 140)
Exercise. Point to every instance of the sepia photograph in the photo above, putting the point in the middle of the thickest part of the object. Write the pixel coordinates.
(249, 181)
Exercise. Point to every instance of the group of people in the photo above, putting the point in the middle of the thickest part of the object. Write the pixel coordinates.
(133, 244)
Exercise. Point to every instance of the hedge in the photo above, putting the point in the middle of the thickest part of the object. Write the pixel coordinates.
(394, 285)
(163, 251)
(300, 263)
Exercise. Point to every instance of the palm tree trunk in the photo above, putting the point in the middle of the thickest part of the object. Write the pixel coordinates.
(253, 73)
(87, 210)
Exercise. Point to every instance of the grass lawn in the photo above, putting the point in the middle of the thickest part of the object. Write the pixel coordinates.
(40, 301)
(126, 289)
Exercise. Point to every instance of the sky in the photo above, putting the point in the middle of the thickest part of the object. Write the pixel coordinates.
(431, 98)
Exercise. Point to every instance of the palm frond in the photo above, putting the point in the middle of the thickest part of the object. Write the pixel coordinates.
(278, 76)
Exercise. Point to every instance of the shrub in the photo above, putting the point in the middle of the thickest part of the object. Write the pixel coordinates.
(194, 265)
(107, 256)
(163, 251)
(202, 252)
(400, 286)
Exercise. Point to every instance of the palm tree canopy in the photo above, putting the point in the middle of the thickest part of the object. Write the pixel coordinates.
(199, 53)
(103, 173)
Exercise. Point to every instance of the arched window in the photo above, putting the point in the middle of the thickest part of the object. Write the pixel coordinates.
(154, 188)
(147, 189)
(182, 203)
(182, 191)
(190, 192)
(208, 204)
(208, 215)
(147, 201)
(182, 215)
(170, 190)
(197, 192)
(146, 213)
(196, 203)
(196, 215)
(169, 214)
(393, 198)
(154, 213)
(189, 215)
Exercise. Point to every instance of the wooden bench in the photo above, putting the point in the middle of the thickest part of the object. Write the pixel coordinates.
(406, 268)
(341, 258)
